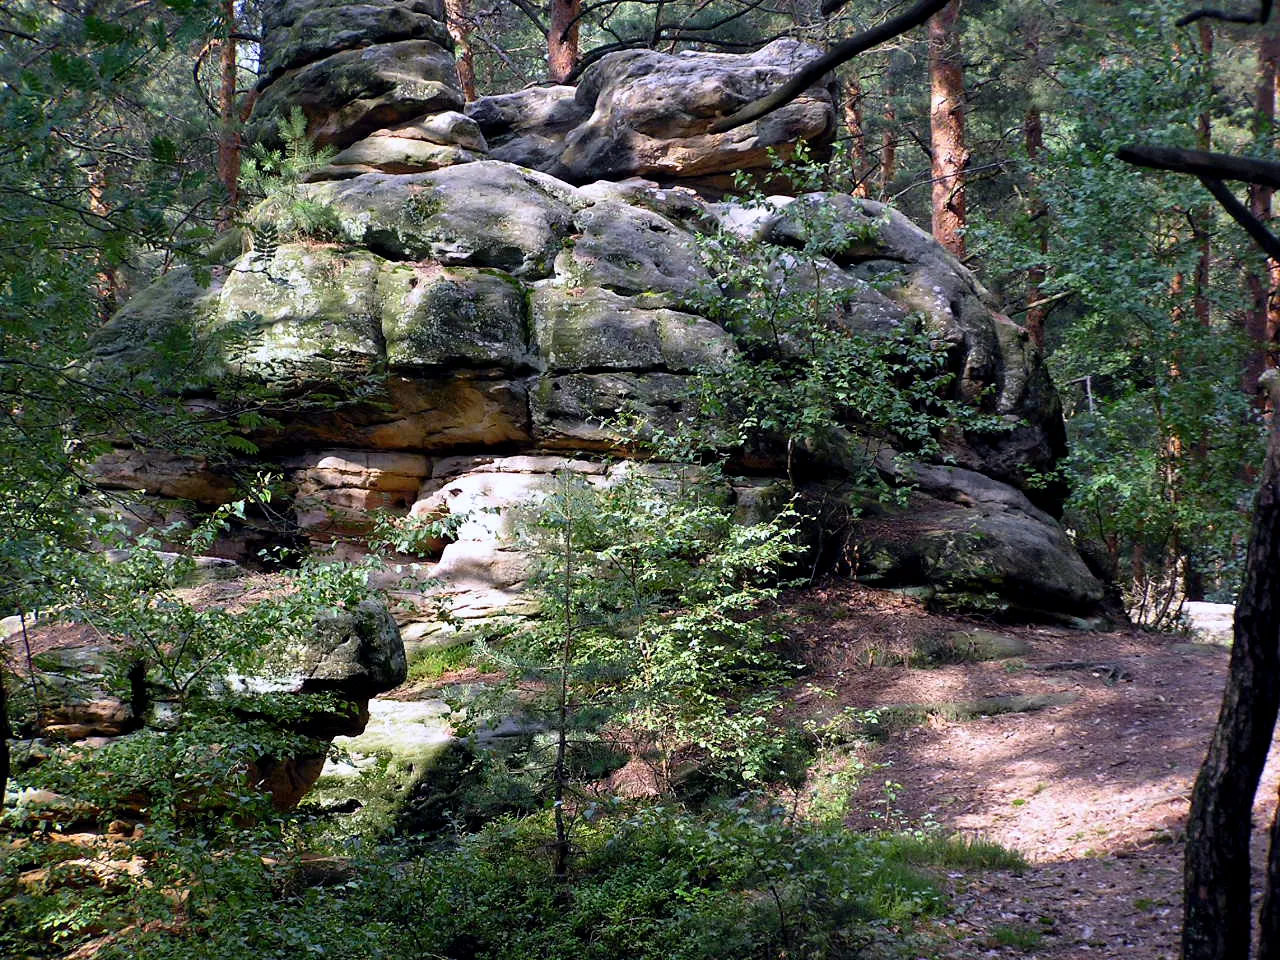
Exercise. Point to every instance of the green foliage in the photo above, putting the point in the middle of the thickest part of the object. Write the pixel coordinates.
(1151, 365)
(275, 176)
(650, 592)
(740, 883)
(436, 661)
(808, 378)
(1021, 936)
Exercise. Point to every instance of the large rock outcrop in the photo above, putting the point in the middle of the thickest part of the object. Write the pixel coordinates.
(492, 289)
(646, 113)
(504, 317)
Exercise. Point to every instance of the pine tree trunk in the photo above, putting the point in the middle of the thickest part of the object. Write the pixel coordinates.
(1217, 911)
(458, 17)
(1202, 226)
(888, 142)
(1037, 214)
(857, 138)
(562, 39)
(946, 128)
(1202, 219)
(229, 125)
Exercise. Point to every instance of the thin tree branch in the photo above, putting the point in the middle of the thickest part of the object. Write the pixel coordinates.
(842, 52)
(527, 9)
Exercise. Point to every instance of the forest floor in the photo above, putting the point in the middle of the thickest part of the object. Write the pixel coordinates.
(1093, 791)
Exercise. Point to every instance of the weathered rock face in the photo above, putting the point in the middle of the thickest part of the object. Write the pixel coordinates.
(645, 113)
(353, 69)
(497, 286)
(298, 32)
(504, 315)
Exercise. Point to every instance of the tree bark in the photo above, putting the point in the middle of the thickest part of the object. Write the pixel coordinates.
(816, 69)
(1217, 910)
(1202, 218)
(1264, 318)
(1217, 166)
(888, 141)
(457, 15)
(858, 158)
(562, 39)
(1037, 214)
(229, 146)
(946, 128)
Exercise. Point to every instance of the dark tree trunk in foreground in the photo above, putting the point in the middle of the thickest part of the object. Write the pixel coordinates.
(562, 39)
(1217, 911)
(946, 127)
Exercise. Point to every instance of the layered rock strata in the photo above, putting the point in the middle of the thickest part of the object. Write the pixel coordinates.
(493, 286)
(504, 317)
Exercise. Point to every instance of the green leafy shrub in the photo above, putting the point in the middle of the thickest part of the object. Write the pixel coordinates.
(807, 380)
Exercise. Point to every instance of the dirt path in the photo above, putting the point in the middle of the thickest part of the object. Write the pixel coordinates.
(1093, 792)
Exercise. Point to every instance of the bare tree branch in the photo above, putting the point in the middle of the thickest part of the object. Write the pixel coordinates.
(842, 52)
(1201, 163)
(1263, 237)
(1262, 16)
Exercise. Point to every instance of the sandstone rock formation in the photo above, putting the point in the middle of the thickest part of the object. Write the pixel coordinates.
(493, 288)
(646, 113)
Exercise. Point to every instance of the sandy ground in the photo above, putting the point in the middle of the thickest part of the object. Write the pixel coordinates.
(1093, 792)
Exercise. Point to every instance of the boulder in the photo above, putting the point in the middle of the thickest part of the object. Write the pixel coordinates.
(578, 329)
(426, 143)
(528, 127)
(650, 113)
(975, 543)
(449, 129)
(391, 155)
(353, 652)
(348, 95)
(453, 316)
(298, 32)
(646, 113)
(483, 214)
(634, 251)
(304, 312)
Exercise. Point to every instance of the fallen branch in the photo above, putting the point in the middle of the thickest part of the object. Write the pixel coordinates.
(1109, 672)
